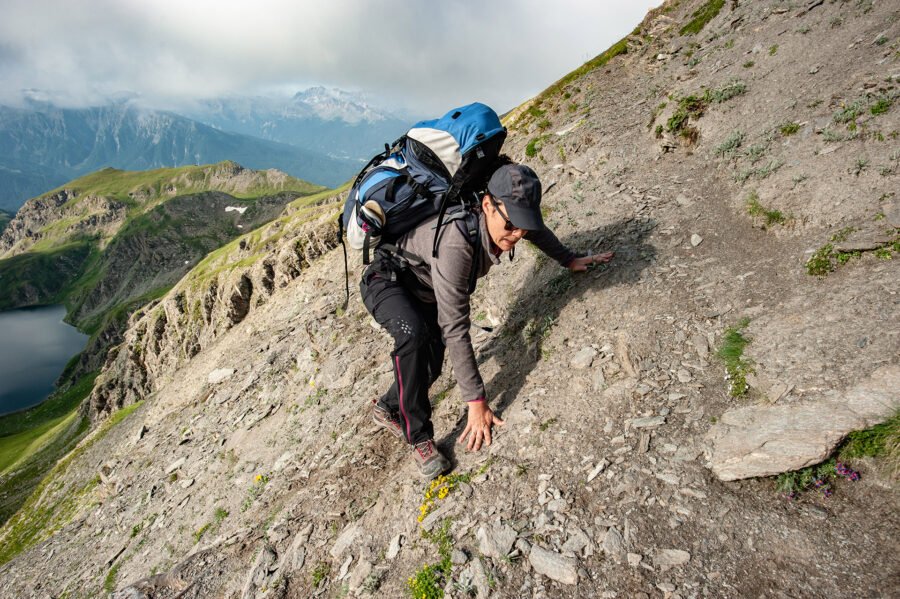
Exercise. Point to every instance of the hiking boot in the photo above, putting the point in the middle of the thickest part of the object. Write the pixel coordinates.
(385, 419)
(430, 461)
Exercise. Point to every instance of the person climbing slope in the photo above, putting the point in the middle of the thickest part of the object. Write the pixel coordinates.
(422, 298)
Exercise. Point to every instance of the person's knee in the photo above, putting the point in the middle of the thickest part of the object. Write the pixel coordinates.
(409, 334)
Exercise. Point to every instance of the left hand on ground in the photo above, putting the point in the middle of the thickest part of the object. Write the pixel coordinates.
(585, 262)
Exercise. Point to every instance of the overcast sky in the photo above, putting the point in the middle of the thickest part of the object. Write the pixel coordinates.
(427, 54)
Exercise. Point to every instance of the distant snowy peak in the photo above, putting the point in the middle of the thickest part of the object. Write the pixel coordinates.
(335, 104)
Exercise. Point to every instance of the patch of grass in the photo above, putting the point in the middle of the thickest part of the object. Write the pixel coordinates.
(731, 352)
(882, 40)
(881, 105)
(543, 124)
(882, 440)
(320, 573)
(749, 64)
(702, 16)
(773, 50)
(770, 216)
(820, 263)
(547, 423)
(789, 128)
(534, 146)
(109, 583)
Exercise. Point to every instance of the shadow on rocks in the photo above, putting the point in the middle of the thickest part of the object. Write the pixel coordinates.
(517, 346)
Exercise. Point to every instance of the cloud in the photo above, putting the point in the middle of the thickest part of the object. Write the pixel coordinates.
(425, 55)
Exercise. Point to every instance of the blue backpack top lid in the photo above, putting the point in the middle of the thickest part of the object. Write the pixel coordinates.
(455, 134)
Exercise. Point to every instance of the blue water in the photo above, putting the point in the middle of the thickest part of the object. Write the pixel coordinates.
(35, 345)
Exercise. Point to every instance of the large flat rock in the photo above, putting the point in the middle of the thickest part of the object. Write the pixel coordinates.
(766, 440)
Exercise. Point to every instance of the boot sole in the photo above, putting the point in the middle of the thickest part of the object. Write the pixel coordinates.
(432, 471)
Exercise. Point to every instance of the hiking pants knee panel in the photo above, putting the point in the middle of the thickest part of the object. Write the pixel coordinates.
(418, 350)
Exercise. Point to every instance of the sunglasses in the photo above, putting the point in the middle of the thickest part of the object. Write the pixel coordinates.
(507, 224)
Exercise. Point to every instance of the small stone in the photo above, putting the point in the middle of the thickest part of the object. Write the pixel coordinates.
(696, 240)
(666, 587)
(553, 565)
(634, 559)
(394, 547)
(597, 470)
(583, 358)
(669, 558)
(140, 433)
(684, 376)
(345, 568)
(458, 557)
(220, 374)
(175, 465)
(649, 422)
(614, 545)
(345, 540)
(187, 483)
(496, 541)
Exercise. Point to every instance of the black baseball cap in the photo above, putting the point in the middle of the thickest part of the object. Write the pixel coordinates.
(519, 188)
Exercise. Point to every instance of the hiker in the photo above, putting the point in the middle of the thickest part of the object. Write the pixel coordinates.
(422, 300)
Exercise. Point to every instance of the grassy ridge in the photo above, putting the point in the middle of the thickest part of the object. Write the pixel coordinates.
(52, 504)
(33, 440)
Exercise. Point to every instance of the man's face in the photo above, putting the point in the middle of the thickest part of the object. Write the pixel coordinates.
(503, 233)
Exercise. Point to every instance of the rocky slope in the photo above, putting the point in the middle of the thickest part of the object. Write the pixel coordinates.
(250, 467)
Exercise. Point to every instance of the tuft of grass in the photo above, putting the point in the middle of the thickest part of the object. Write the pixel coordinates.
(733, 88)
(749, 64)
(755, 209)
(702, 16)
(881, 105)
(109, 583)
(820, 263)
(773, 50)
(882, 440)
(789, 128)
(320, 572)
(731, 352)
(534, 146)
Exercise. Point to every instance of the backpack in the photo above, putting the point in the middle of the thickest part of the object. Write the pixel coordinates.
(437, 167)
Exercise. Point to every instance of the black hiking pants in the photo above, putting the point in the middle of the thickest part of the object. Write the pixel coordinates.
(418, 344)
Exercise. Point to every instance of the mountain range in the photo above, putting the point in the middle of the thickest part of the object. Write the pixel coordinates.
(319, 135)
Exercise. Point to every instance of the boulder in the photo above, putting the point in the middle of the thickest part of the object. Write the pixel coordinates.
(767, 440)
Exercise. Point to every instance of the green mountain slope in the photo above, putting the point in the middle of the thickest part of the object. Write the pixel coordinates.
(113, 240)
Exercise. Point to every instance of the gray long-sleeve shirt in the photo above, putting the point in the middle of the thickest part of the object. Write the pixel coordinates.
(445, 281)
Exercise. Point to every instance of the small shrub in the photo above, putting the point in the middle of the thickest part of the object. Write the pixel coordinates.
(659, 131)
(731, 352)
(882, 40)
(859, 166)
(789, 128)
(543, 124)
(804, 29)
(773, 50)
(730, 145)
(733, 88)
(848, 113)
(749, 64)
